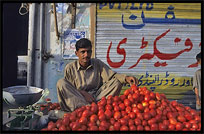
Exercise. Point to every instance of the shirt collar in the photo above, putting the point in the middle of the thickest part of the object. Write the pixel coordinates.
(80, 68)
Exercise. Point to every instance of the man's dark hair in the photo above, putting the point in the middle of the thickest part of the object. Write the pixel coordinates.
(83, 43)
(198, 56)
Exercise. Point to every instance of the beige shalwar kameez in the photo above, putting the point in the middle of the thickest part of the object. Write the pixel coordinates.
(97, 79)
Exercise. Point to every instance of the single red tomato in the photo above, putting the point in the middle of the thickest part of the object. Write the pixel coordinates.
(128, 109)
(124, 128)
(122, 106)
(171, 127)
(138, 121)
(179, 126)
(116, 108)
(117, 125)
(162, 127)
(132, 115)
(51, 125)
(93, 128)
(123, 121)
(154, 127)
(117, 115)
(108, 114)
(62, 128)
(132, 128)
(140, 128)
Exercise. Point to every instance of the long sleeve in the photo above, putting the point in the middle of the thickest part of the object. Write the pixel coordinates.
(107, 73)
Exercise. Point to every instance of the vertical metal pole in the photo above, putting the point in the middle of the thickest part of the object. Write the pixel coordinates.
(31, 46)
(39, 68)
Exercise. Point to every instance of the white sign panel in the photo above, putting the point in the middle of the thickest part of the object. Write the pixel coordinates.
(71, 36)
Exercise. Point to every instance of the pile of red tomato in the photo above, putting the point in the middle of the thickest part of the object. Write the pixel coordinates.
(49, 105)
(138, 109)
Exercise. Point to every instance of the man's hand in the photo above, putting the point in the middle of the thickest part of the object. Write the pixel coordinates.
(198, 102)
(89, 98)
(131, 80)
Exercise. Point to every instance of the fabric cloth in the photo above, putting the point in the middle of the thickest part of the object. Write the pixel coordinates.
(97, 79)
(197, 84)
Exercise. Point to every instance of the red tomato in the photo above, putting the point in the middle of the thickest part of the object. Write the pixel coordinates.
(122, 106)
(132, 128)
(197, 118)
(126, 92)
(146, 116)
(188, 116)
(108, 114)
(166, 122)
(152, 106)
(181, 118)
(172, 121)
(135, 110)
(104, 124)
(111, 128)
(58, 123)
(147, 98)
(154, 127)
(51, 125)
(138, 121)
(48, 99)
(102, 128)
(131, 122)
(128, 109)
(94, 108)
(117, 115)
(110, 97)
(62, 128)
(117, 125)
(116, 98)
(152, 112)
(102, 117)
(135, 96)
(139, 116)
(147, 128)
(151, 121)
(93, 118)
(91, 124)
(179, 126)
(124, 128)
(140, 107)
(144, 123)
(146, 110)
(140, 128)
(93, 128)
(132, 115)
(83, 120)
(195, 126)
(152, 95)
(127, 102)
(123, 121)
(187, 125)
(116, 108)
(162, 127)
(171, 127)
(112, 121)
(145, 104)
(122, 97)
(134, 87)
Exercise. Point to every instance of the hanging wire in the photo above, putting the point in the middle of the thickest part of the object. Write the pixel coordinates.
(24, 9)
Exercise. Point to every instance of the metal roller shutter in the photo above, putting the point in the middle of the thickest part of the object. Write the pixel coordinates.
(156, 42)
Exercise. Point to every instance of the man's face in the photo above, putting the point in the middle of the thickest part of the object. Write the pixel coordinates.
(84, 55)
